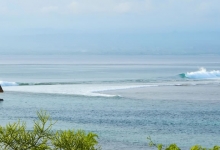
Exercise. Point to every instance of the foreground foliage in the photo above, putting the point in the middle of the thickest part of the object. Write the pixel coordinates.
(16, 137)
(175, 147)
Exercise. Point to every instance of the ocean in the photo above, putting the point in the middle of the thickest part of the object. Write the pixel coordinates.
(124, 99)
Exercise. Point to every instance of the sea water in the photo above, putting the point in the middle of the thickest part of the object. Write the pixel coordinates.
(172, 99)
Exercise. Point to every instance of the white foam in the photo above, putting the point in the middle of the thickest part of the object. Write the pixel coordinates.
(6, 83)
(202, 73)
(77, 89)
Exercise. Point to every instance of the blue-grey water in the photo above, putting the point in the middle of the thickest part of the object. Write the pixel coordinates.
(172, 100)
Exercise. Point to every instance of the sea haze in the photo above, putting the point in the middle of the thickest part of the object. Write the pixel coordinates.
(173, 99)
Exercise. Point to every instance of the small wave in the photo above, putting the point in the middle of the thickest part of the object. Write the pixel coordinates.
(6, 83)
(184, 84)
(53, 83)
(85, 82)
(202, 73)
(182, 75)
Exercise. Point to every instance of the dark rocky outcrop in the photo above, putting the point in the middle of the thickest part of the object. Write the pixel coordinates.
(1, 90)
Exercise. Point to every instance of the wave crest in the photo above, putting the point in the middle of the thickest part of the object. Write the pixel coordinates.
(202, 73)
(6, 83)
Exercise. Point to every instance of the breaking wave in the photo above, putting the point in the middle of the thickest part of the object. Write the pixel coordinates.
(6, 83)
(202, 73)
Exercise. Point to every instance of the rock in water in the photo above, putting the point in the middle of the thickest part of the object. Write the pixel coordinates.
(1, 90)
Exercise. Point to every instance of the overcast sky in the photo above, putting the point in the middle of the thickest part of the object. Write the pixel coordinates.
(110, 26)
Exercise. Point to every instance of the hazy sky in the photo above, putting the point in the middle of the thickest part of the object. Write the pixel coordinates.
(109, 26)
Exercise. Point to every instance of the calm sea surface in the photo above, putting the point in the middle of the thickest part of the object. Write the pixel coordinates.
(172, 99)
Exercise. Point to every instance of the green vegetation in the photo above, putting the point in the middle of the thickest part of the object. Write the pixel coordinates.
(16, 137)
(175, 147)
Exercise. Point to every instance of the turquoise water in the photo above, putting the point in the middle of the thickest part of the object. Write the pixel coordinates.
(171, 101)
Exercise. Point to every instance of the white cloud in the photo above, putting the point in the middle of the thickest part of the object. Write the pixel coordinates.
(49, 9)
(205, 6)
(143, 6)
(208, 7)
(88, 6)
(108, 6)
(3, 10)
(123, 7)
(108, 13)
